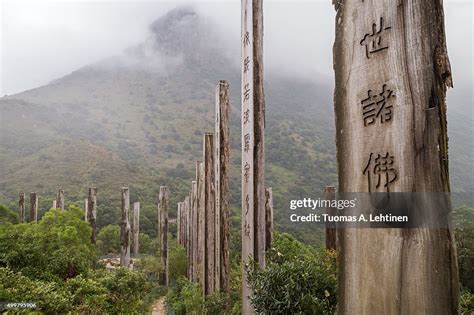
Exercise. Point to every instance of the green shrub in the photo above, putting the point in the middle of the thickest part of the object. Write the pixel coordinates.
(49, 297)
(297, 280)
(57, 247)
(177, 261)
(186, 297)
(7, 215)
(467, 303)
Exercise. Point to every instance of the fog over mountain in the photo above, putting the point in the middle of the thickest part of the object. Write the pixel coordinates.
(136, 119)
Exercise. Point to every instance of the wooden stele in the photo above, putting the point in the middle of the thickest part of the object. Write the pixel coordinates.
(194, 232)
(178, 224)
(222, 149)
(163, 205)
(201, 199)
(21, 208)
(187, 211)
(136, 228)
(253, 140)
(331, 232)
(187, 202)
(33, 207)
(91, 216)
(60, 200)
(210, 215)
(86, 202)
(392, 72)
(268, 218)
(125, 229)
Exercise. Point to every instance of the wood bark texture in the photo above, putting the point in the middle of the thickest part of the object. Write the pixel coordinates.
(392, 72)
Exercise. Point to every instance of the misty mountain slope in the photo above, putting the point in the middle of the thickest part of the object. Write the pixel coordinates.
(137, 120)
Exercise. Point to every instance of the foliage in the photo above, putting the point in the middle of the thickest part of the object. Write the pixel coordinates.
(467, 303)
(177, 261)
(108, 239)
(53, 264)
(58, 247)
(297, 279)
(50, 296)
(7, 215)
(186, 298)
(151, 267)
(464, 232)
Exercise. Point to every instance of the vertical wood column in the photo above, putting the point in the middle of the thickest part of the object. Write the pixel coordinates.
(187, 202)
(331, 232)
(33, 207)
(210, 214)
(163, 205)
(195, 231)
(222, 149)
(136, 228)
(125, 229)
(178, 224)
(392, 72)
(86, 206)
(21, 208)
(201, 199)
(55, 204)
(253, 140)
(60, 200)
(92, 212)
(268, 218)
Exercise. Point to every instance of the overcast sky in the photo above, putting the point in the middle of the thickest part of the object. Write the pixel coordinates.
(44, 40)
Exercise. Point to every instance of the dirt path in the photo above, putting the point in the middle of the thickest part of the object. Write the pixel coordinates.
(159, 307)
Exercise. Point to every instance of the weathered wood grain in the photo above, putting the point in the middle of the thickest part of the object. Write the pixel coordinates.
(33, 207)
(125, 229)
(92, 212)
(395, 52)
(136, 228)
(21, 208)
(268, 218)
(222, 150)
(60, 200)
(163, 205)
(331, 232)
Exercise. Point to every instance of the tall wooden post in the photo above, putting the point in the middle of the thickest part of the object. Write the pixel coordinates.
(189, 229)
(186, 222)
(163, 205)
(392, 72)
(253, 139)
(179, 223)
(136, 228)
(55, 204)
(86, 203)
(268, 218)
(21, 208)
(331, 232)
(201, 199)
(195, 230)
(210, 214)
(125, 229)
(60, 199)
(222, 149)
(33, 207)
(91, 216)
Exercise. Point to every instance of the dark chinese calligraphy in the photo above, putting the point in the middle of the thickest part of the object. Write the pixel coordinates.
(247, 38)
(246, 116)
(381, 168)
(247, 172)
(377, 106)
(247, 92)
(247, 143)
(246, 64)
(373, 42)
